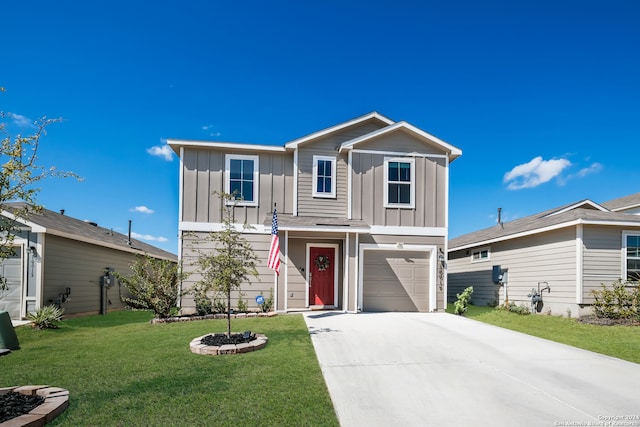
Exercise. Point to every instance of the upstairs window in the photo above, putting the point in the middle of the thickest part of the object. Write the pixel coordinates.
(480, 255)
(241, 180)
(631, 245)
(399, 183)
(324, 176)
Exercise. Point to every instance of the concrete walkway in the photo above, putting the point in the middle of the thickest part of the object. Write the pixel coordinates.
(427, 369)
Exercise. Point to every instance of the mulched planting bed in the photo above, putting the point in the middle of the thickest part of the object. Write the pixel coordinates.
(222, 339)
(603, 321)
(14, 404)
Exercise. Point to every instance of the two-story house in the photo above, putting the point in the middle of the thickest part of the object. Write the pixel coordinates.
(362, 214)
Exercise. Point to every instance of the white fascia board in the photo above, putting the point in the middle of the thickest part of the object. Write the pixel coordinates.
(296, 142)
(35, 228)
(207, 227)
(326, 229)
(176, 144)
(408, 231)
(454, 152)
(545, 229)
(625, 208)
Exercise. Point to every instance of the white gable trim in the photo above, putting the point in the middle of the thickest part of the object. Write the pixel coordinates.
(296, 142)
(453, 151)
(578, 205)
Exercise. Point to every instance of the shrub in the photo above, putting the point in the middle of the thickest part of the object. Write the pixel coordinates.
(617, 301)
(243, 307)
(267, 305)
(203, 303)
(219, 305)
(154, 284)
(512, 307)
(460, 306)
(46, 317)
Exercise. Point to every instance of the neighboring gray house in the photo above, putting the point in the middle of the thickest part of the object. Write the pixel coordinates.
(572, 249)
(62, 260)
(362, 209)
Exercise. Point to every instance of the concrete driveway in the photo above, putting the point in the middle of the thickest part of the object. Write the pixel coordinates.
(428, 369)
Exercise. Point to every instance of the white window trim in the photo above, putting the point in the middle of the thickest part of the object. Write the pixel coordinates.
(227, 178)
(412, 191)
(626, 234)
(332, 194)
(480, 250)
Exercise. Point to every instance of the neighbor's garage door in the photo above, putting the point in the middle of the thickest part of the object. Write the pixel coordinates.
(395, 280)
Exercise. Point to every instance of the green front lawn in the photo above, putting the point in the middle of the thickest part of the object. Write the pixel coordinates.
(122, 370)
(618, 341)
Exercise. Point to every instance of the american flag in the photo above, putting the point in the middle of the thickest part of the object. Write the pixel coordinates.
(274, 250)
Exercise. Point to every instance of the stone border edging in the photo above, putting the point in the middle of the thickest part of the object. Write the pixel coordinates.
(213, 316)
(56, 400)
(197, 347)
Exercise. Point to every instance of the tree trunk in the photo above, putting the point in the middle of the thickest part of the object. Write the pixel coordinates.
(229, 315)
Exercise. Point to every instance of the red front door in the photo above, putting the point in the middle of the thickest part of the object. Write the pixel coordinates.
(321, 275)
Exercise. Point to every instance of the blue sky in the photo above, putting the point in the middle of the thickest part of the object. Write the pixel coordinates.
(543, 97)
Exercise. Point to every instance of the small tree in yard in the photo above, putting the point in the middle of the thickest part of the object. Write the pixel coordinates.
(232, 261)
(154, 284)
(461, 304)
(20, 172)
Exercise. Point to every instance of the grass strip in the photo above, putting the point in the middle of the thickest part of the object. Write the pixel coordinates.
(622, 342)
(122, 370)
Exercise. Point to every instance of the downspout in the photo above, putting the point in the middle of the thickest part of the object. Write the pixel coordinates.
(579, 263)
(345, 284)
(180, 218)
(295, 182)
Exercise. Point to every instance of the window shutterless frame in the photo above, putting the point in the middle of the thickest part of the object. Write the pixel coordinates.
(241, 178)
(324, 176)
(399, 182)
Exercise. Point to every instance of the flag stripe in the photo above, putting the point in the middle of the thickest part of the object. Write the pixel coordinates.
(274, 251)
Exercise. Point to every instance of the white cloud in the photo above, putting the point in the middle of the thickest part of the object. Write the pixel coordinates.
(21, 121)
(142, 209)
(594, 168)
(210, 128)
(161, 151)
(148, 237)
(534, 173)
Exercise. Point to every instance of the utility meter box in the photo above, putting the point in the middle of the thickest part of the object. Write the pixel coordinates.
(497, 274)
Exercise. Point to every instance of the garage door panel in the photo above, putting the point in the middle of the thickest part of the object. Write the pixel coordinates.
(395, 280)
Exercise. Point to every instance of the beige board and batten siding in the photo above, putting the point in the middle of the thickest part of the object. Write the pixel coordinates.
(203, 175)
(545, 257)
(327, 146)
(602, 258)
(368, 192)
(195, 242)
(80, 266)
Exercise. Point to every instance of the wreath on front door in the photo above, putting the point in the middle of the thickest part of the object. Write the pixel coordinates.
(322, 262)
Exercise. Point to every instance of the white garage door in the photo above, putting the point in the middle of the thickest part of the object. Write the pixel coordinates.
(395, 280)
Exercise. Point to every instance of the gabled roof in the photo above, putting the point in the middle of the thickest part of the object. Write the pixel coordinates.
(552, 219)
(623, 203)
(374, 116)
(57, 224)
(175, 144)
(406, 127)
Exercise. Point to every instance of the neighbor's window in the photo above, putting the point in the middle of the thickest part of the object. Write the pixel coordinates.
(242, 178)
(399, 187)
(632, 246)
(324, 176)
(480, 255)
